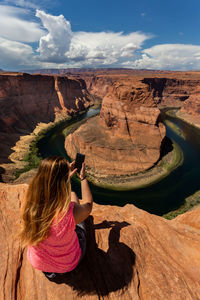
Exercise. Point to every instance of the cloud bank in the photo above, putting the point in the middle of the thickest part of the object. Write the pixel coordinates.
(15, 27)
(168, 57)
(14, 54)
(40, 40)
(61, 45)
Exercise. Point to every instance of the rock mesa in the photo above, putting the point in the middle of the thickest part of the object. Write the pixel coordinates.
(126, 138)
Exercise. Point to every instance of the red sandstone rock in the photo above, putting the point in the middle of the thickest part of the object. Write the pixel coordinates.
(98, 85)
(26, 100)
(29, 99)
(131, 254)
(126, 138)
(165, 88)
(192, 105)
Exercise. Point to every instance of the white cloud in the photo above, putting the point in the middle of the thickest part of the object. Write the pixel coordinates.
(22, 3)
(15, 54)
(169, 57)
(13, 25)
(53, 46)
(104, 47)
(61, 45)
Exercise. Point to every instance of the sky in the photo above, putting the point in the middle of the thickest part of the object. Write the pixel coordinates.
(146, 34)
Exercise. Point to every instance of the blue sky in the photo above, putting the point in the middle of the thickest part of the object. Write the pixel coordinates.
(148, 34)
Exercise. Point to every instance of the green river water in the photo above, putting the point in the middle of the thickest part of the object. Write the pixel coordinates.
(159, 198)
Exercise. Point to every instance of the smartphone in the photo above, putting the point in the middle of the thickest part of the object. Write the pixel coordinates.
(78, 161)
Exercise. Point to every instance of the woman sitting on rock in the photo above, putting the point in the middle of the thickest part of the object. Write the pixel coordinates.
(52, 216)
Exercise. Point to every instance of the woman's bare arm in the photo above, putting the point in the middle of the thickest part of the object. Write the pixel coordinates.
(74, 198)
(83, 210)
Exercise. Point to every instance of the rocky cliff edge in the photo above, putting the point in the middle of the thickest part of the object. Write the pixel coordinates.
(131, 254)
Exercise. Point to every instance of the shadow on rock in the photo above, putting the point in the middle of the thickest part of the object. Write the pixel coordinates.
(2, 171)
(102, 272)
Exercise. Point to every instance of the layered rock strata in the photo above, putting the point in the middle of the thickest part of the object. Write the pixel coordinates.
(190, 111)
(26, 100)
(171, 92)
(166, 88)
(126, 138)
(131, 254)
(181, 93)
(98, 85)
(192, 105)
(128, 132)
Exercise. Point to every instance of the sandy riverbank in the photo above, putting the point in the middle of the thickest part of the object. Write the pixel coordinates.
(22, 151)
(190, 119)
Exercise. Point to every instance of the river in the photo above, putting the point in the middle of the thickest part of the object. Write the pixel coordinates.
(159, 198)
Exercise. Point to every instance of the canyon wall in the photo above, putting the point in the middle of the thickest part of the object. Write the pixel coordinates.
(190, 110)
(171, 91)
(192, 105)
(128, 135)
(166, 88)
(126, 138)
(130, 254)
(26, 100)
(98, 85)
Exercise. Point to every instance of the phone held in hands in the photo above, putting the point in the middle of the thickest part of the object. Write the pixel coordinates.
(78, 161)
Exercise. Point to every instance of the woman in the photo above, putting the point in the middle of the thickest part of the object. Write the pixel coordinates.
(51, 218)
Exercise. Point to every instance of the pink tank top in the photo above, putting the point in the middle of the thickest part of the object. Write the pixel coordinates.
(61, 251)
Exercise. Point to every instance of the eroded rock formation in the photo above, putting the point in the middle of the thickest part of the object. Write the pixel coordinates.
(131, 254)
(127, 136)
(190, 111)
(26, 100)
(192, 105)
(128, 132)
(98, 85)
(171, 92)
(165, 87)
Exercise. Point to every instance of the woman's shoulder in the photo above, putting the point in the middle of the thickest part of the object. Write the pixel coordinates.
(62, 217)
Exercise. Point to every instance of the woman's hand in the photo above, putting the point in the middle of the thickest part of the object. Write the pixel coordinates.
(82, 172)
(72, 170)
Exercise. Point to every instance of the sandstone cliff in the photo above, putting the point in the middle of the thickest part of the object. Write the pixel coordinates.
(190, 110)
(127, 136)
(26, 100)
(171, 91)
(98, 85)
(166, 88)
(192, 105)
(131, 254)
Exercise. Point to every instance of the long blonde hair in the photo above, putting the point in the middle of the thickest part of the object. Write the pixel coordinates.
(48, 196)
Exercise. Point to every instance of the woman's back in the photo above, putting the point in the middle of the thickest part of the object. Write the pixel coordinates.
(60, 252)
(55, 244)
